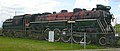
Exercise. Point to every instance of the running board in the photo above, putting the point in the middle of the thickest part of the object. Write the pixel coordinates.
(86, 20)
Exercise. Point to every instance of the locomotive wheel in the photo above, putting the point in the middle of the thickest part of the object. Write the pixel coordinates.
(77, 38)
(4, 33)
(88, 41)
(16, 34)
(19, 34)
(80, 38)
(46, 33)
(12, 33)
(111, 40)
(56, 34)
(8, 33)
(29, 34)
(65, 36)
(102, 41)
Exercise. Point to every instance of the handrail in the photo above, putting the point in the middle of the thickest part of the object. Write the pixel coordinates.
(101, 26)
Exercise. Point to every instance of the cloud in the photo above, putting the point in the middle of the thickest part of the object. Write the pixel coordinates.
(30, 5)
(89, 4)
(119, 5)
(116, 0)
(117, 16)
(9, 7)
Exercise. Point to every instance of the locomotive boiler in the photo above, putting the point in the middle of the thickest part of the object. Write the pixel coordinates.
(96, 23)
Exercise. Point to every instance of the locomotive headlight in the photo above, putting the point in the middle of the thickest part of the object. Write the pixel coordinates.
(116, 34)
(108, 7)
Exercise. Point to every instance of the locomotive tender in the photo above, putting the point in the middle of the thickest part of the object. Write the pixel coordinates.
(96, 23)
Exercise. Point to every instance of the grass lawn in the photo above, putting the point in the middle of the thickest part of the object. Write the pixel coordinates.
(20, 44)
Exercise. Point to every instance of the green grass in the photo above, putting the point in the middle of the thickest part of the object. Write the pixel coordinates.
(0, 32)
(20, 44)
(117, 27)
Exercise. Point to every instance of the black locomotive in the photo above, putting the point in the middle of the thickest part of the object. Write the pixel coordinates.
(96, 23)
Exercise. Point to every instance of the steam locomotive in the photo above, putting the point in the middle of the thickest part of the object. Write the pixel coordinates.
(96, 23)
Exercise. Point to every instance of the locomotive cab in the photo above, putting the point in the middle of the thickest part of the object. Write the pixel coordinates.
(7, 23)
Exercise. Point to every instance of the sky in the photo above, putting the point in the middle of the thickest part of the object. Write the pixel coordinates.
(9, 7)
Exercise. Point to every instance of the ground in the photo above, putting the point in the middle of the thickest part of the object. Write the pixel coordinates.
(21, 44)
